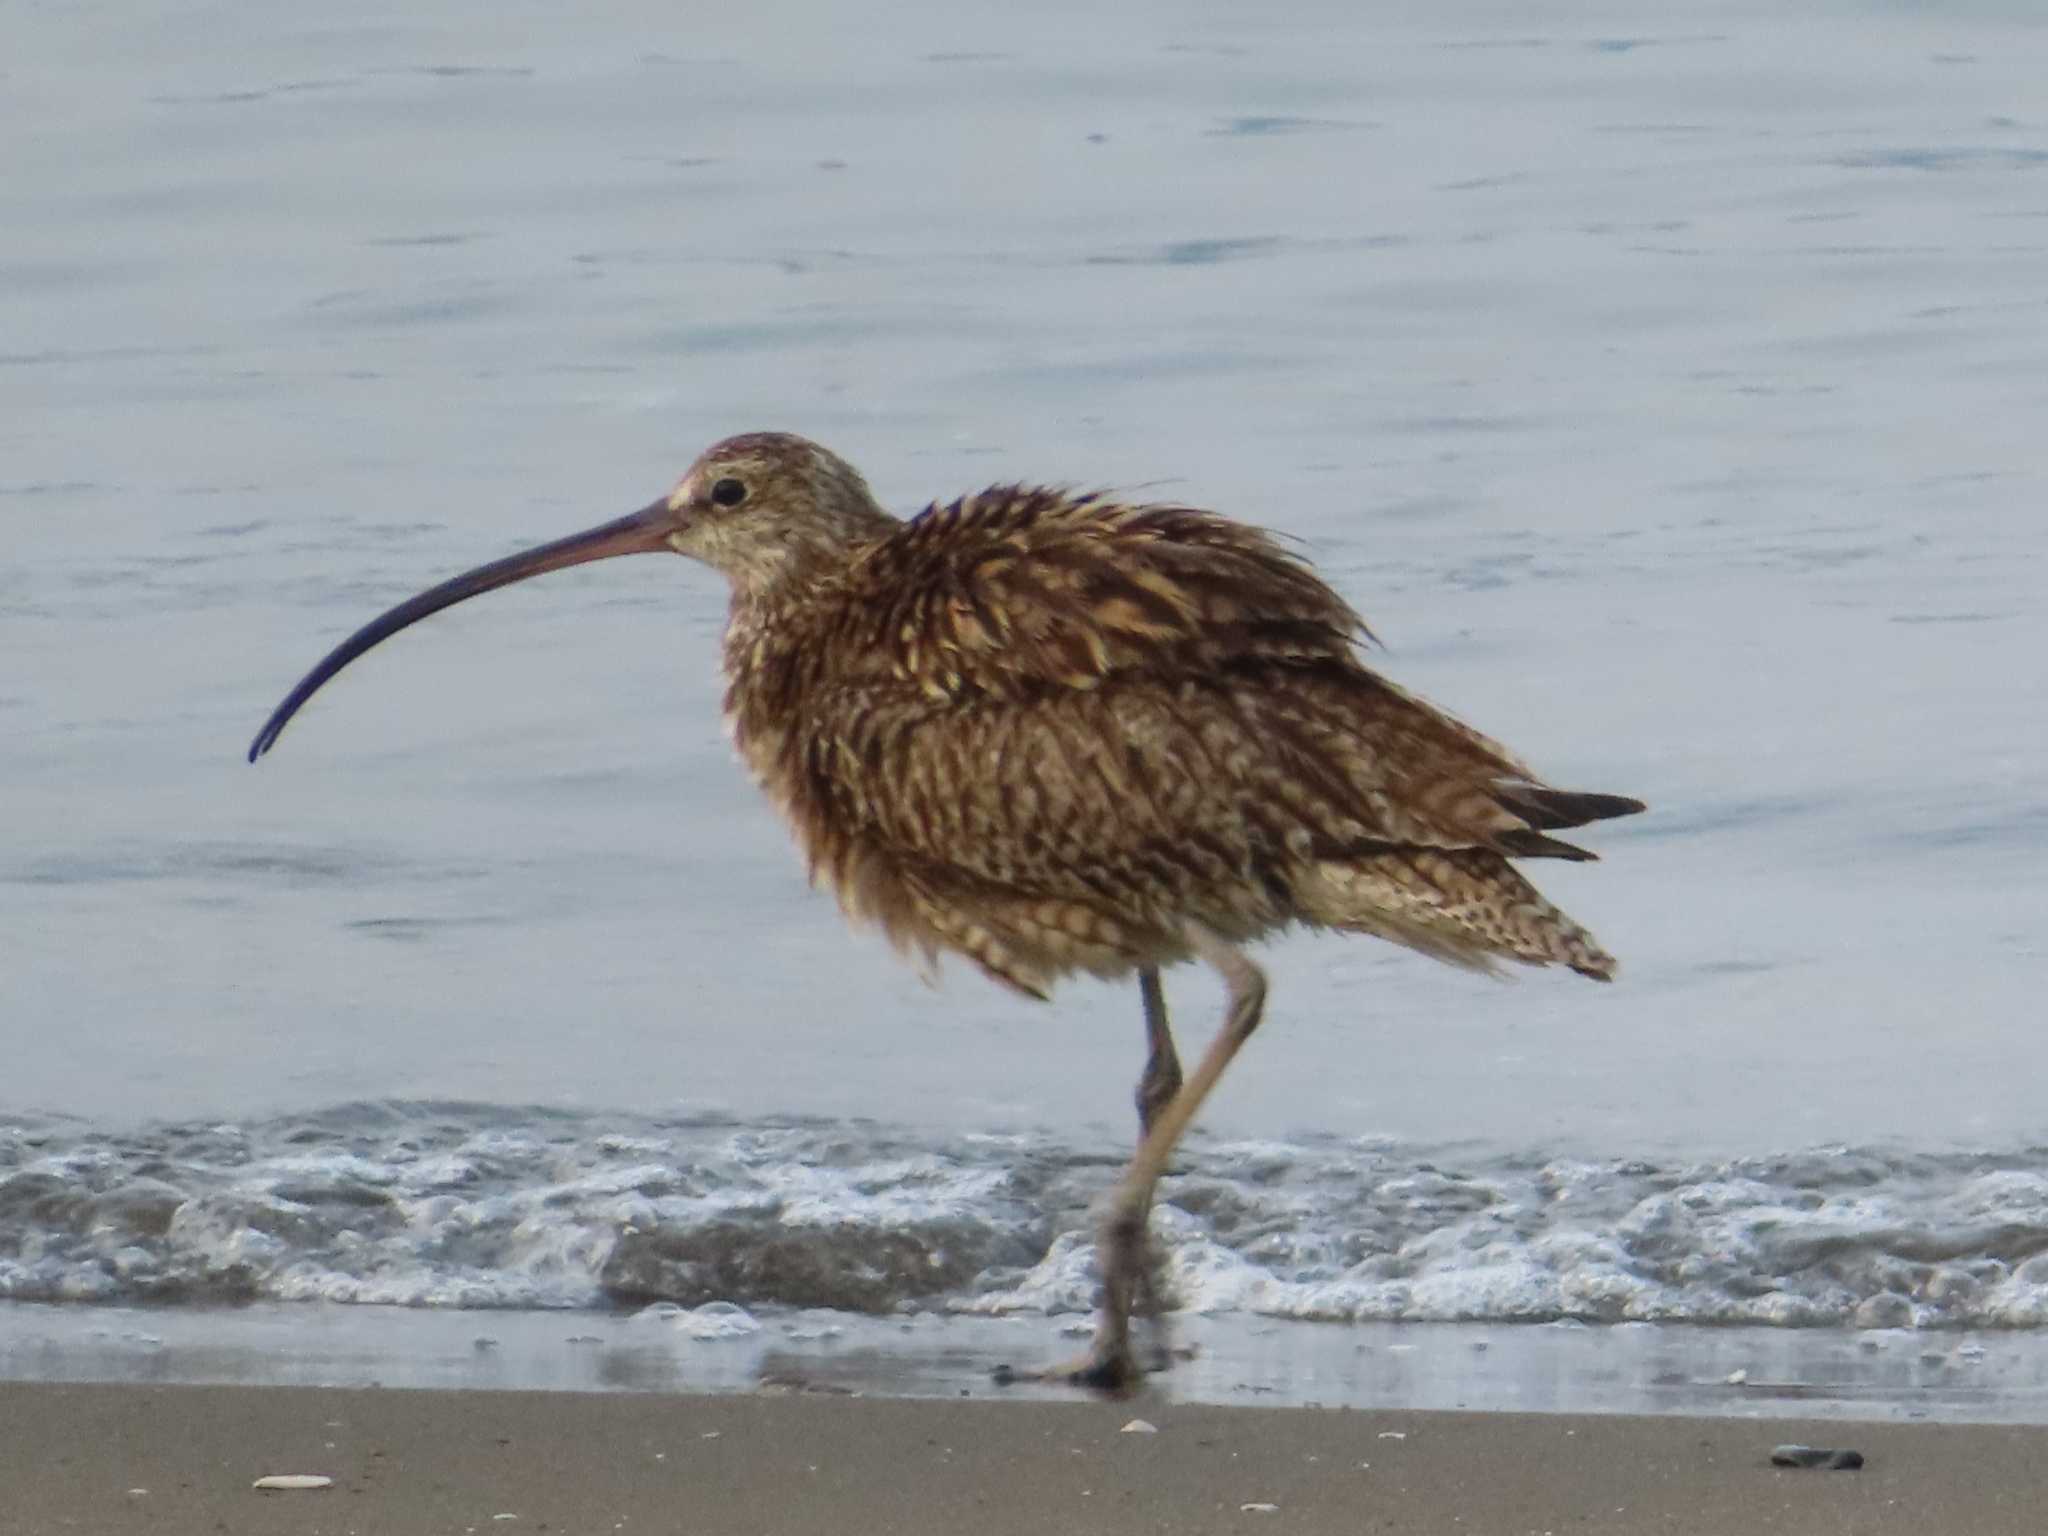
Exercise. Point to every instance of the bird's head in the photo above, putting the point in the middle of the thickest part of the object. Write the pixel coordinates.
(761, 508)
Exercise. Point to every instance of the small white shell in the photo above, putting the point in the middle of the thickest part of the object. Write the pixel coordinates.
(1139, 1427)
(278, 1482)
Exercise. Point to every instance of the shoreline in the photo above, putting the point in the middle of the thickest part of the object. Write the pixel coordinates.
(1894, 1375)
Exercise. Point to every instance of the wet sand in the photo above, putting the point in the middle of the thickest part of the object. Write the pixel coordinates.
(178, 1459)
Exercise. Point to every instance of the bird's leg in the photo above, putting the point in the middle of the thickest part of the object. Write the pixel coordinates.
(1157, 1085)
(1124, 1253)
(1161, 1078)
(1109, 1365)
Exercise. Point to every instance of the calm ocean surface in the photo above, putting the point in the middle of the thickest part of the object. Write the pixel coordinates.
(1670, 398)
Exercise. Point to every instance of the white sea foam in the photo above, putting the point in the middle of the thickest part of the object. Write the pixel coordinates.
(483, 1207)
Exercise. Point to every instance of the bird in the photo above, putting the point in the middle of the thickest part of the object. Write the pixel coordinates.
(1059, 733)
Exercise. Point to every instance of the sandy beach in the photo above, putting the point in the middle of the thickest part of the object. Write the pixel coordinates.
(178, 1459)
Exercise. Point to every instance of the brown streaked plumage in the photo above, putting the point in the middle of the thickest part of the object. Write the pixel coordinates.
(1056, 733)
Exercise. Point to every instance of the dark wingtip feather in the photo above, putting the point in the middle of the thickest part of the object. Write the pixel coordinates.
(1548, 810)
(1534, 845)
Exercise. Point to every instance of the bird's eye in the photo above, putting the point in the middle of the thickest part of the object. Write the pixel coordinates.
(728, 492)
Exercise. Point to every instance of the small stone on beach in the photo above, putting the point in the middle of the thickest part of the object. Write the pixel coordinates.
(1815, 1456)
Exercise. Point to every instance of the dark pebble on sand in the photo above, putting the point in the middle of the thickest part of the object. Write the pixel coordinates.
(1815, 1456)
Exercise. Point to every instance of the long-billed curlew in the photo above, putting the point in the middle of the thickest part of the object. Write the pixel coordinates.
(1060, 733)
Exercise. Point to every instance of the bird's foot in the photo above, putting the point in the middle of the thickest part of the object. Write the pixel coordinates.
(1132, 1283)
(1109, 1369)
(1114, 1370)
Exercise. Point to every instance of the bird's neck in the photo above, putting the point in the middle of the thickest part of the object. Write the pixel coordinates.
(800, 572)
(787, 599)
(776, 649)
(781, 605)
(790, 566)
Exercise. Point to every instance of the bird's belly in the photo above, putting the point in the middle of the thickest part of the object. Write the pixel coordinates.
(1081, 832)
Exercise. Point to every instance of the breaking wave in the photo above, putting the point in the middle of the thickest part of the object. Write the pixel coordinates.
(458, 1205)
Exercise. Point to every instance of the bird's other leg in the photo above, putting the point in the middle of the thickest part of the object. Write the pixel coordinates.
(1160, 1080)
(1109, 1365)
(1157, 1085)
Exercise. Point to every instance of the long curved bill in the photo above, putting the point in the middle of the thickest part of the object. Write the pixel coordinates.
(643, 532)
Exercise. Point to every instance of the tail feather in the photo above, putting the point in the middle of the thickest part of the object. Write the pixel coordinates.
(1548, 810)
(1467, 906)
(1534, 845)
